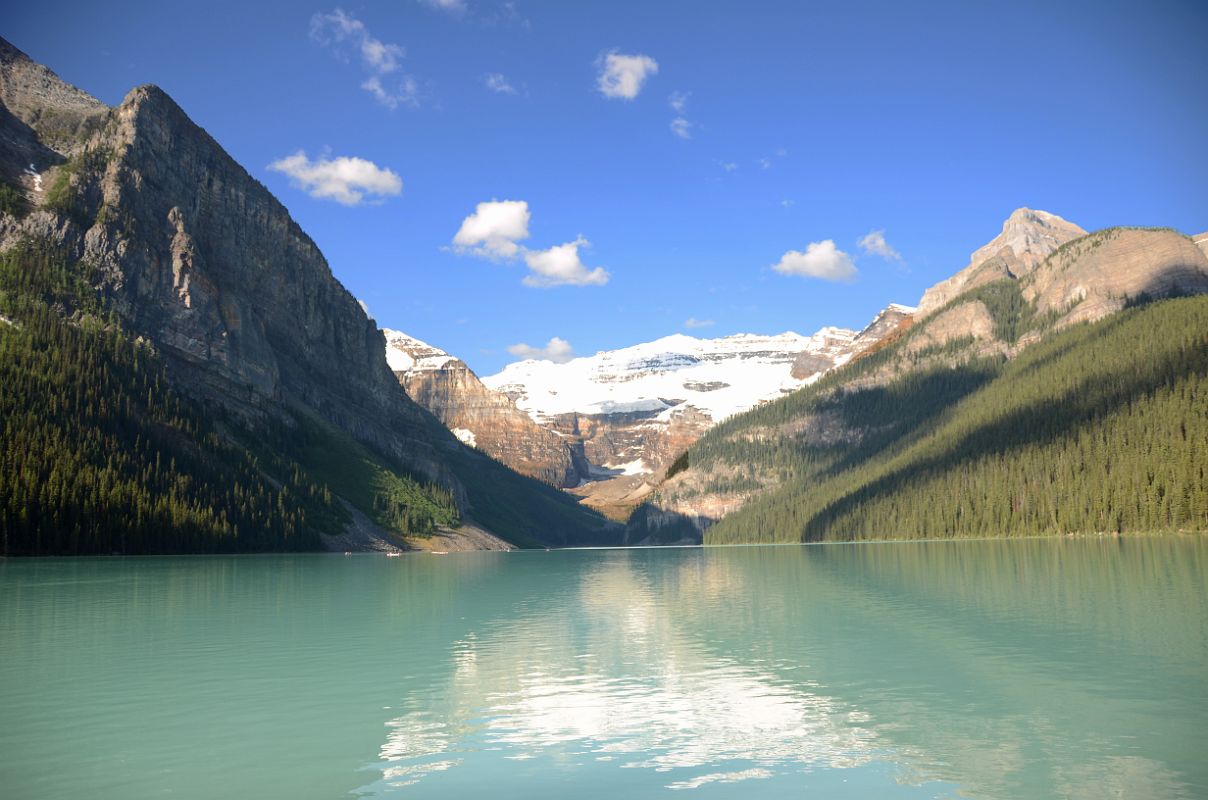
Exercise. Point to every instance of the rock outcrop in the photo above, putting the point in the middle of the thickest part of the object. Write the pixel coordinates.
(887, 326)
(1103, 272)
(961, 322)
(480, 417)
(197, 254)
(1027, 239)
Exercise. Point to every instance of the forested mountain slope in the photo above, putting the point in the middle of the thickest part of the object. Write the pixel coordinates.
(160, 303)
(1103, 427)
(1067, 399)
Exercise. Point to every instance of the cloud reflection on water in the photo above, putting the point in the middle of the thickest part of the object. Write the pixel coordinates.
(977, 665)
(610, 677)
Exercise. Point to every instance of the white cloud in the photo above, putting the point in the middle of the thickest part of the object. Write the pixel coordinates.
(406, 93)
(728, 166)
(365, 307)
(561, 266)
(623, 75)
(764, 163)
(874, 243)
(345, 179)
(693, 322)
(681, 126)
(497, 83)
(378, 59)
(494, 229)
(820, 260)
(452, 6)
(557, 350)
(338, 28)
(786, 203)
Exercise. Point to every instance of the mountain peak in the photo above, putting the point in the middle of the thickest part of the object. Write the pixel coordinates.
(149, 101)
(26, 85)
(1023, 212)
(47, 108)
(407, 354)
(1028, 237)
(1031, 235)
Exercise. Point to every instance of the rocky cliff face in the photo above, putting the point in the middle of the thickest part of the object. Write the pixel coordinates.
(200, 260)
(888, 326)
(1100, 274)
(828, 348)
(478, 416)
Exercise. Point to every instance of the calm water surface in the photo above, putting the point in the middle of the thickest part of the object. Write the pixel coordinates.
(1026, 669)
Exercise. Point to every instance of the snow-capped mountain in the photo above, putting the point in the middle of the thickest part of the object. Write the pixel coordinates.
(636, 407)
(407, 354)
(608, 422)
(719, 377)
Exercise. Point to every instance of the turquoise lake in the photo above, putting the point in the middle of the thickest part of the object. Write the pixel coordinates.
(989, 669)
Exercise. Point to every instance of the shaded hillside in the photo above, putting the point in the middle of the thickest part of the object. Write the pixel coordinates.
(1001, 411)
(1103, 427)
(101, 455)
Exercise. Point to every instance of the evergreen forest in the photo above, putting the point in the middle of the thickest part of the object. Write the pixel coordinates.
(99, 454)
(1098, 428)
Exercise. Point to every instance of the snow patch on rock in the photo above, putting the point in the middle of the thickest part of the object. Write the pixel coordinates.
(32, 172)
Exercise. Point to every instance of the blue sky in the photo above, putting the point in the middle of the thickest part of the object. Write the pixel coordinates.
(806, 123)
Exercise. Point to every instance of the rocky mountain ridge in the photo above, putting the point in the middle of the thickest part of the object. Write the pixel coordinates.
(1028, 237)
(43, 121)
(199, 260)
(478, 416)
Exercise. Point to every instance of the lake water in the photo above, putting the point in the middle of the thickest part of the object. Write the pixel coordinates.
(1024, 669)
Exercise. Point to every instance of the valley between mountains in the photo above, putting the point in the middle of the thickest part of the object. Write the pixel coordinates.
(636, 431)
(181, 372)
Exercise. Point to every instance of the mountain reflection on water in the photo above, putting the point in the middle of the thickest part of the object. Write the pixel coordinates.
(985, 669)
(993, 669)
